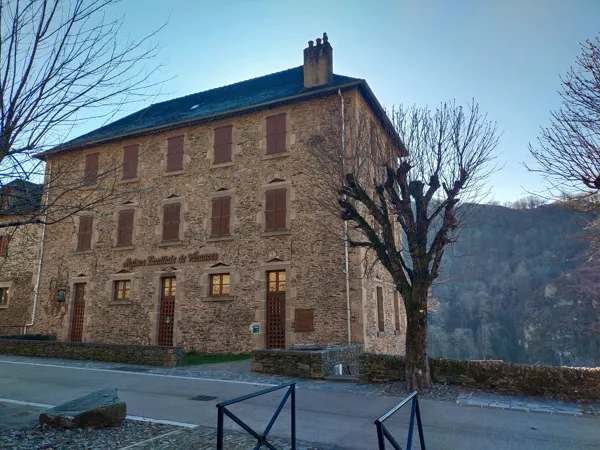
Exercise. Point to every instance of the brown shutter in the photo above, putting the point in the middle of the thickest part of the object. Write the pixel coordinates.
(281, 209)
(125, 227)
(130, 162)
(4, 240)
(276, 134)
(171, 219)
(225, 214)
(223, 144)
(90, 174)
(215, 228)
(397, 310)
(380, 317)
(270, 203)
(175, 154)
(84, 237)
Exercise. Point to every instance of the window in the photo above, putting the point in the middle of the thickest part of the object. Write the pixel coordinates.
(4, 198)
(125, 227)
(130, 162)
(90, 173)
(275, 209)
(396, 311)
(84, 236)
(276, 281)
(220, 284)
(276, 134)
(221, 211)
(380, 321)
(3, 296)
(122, 290)
(175, 154)
(171, 222)
(223, 144)
(4, 240)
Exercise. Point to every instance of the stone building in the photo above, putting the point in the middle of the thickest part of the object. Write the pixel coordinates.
(19, 254)
(212, 240)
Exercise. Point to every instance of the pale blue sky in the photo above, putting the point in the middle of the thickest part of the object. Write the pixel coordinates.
(507, 54)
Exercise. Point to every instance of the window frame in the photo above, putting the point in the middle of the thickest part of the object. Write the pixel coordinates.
(125, 170)
(220, 219)
(126, 288)
(4, 296)
(221, 284)
(273, 212)
(132, 228)
(170, 204)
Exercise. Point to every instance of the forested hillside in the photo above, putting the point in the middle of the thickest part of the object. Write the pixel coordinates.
(511, 289)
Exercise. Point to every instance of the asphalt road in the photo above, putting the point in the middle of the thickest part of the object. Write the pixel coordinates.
(339, 418)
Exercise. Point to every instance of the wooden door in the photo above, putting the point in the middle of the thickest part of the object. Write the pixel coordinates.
(166, 316)
(276, 309)
(78, 313)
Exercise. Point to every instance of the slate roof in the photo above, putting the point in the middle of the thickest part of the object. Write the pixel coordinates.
(24, 196)
(276, 87)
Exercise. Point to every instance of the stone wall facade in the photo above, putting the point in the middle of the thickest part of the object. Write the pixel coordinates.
(18, 274)
(315, 364)
(573, 383)
(131, 354)
(310, 255)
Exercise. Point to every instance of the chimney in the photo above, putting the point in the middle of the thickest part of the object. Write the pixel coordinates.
(318, 63)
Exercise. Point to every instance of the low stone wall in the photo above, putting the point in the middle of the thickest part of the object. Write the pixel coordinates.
(573, 383)
(130, 354)
(307, 363)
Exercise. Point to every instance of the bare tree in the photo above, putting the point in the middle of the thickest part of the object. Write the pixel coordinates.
(62, 63)
(406, 201)
(568, 151)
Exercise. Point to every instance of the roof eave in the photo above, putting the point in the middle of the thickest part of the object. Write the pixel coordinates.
(188, 122)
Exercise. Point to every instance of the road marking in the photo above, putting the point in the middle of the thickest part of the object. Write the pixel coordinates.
(251, 383)
(135, 418)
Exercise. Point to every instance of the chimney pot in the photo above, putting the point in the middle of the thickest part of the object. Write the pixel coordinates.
(318, 41)
(310, 44)
(325, 38)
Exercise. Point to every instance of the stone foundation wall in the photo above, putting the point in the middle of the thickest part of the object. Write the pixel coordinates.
(129, 354)
(308, 363)
(574, 383)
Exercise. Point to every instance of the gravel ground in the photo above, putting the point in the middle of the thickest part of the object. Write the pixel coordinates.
(205, 438)
(439, 392)
(43, 437)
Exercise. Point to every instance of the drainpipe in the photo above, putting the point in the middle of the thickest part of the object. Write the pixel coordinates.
(36, 290)
(346, 264)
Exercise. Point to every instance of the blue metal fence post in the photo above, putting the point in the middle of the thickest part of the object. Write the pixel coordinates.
(220, 428)
(380, 439)
(293, 406)
(420, 426)
(412, 425)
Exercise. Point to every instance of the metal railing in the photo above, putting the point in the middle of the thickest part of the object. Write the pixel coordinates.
(260, 438)
(383, 433)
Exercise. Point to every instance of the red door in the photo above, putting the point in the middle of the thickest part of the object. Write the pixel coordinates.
(276, 309)
(78, 313)
(166, 317)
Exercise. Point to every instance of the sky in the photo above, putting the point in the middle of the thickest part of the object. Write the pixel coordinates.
(506, 54)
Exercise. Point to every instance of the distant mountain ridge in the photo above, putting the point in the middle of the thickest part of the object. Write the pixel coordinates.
(507, 290)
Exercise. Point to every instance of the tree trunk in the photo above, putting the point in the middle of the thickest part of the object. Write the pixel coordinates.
(417, 362)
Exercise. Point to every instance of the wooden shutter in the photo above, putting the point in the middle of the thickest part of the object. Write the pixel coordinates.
(4, 240)
(275, 209)
(175, 154)
(221, 212)
(223, 144)
(84, 237)
(90, 174)
(125, 227)
(276, 134)
(171, 214)
(380, 317)
(396, 311)
(130, 162)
